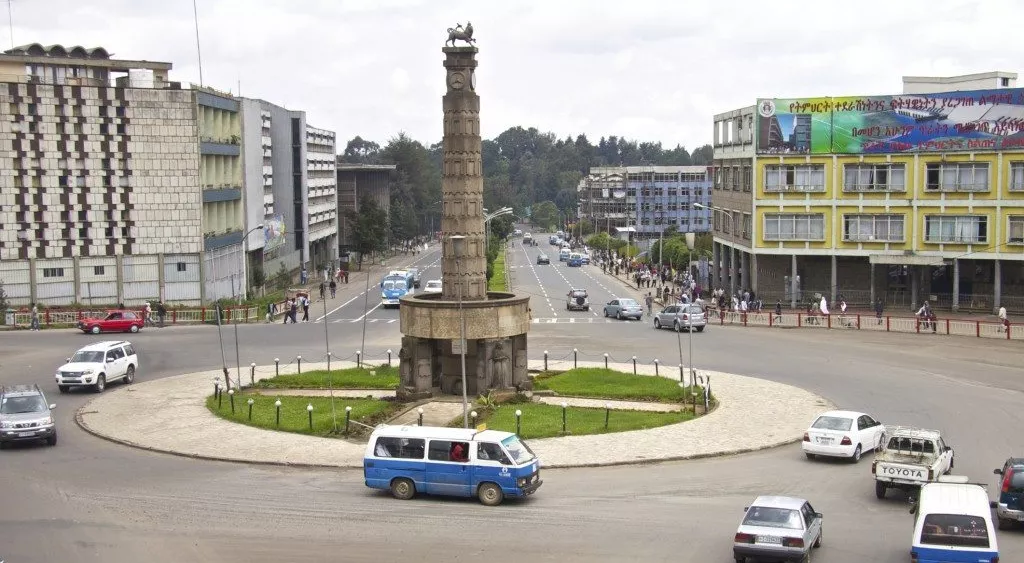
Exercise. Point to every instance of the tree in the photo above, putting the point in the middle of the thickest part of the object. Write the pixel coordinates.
(545, 215)
(369, 229)
(501, 227)
(3, 298)
(361, 151)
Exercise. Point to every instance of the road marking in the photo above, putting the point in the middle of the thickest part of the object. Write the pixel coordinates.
(375, 307)
(340, 306)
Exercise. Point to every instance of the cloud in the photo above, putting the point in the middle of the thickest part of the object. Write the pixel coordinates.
(649, 70)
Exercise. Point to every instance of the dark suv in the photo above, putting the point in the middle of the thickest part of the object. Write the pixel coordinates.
(1010, 506)
(25, 415)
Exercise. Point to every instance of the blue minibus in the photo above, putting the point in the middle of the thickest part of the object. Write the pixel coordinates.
(487, 464)
(953, 523)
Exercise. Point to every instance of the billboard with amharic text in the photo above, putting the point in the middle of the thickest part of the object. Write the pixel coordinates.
(977, 120)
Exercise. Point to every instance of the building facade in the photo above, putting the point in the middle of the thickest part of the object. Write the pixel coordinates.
(100, 190)
(358, 183)
(647, 198)
(322, 194)
(904, 199)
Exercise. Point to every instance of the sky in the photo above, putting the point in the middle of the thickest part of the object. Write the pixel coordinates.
(647, 70)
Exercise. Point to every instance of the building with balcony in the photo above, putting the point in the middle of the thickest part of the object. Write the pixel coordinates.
(904, 198)
(322, 210)
(101, 198)
(647, 198)
(358, 183)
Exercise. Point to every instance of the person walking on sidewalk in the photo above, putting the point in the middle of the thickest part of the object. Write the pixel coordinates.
(778, 311)
(305, 308)
(649, 301)
(161, 312)
(879, 308)
(323, 290)
(35, 317)
(334, 288)
(148, 315)
(1004, 321)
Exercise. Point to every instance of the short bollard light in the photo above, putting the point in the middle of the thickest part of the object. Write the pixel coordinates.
(389, 357)
(420, 412)
(634, 365)
(277, 405)
(299, 360)
(575, 355)
(231, 397)
(220, 398)
(348, 417)
(564, 406)
(250, 402)
(277, 367)
(682, 378)
(519, 418)
(309, 410)
(359, 358)
(607, 414)
(216, 388)
(472, 415)
(606, 361)
(252, 373)
(656, 366)
(545, 360)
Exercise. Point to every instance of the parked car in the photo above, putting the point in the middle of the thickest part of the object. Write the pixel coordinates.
(777, 528)
(681, 317)
(624, 309)
(845, 434)
(543, 259)
(1010, 506)
(114, 321)
(433, 286)
(577, 300)
(574, 261)
(25, 415)
(97, 364)
(911, 458)
(415, 273)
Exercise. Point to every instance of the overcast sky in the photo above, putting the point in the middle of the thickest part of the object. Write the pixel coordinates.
(643, 69)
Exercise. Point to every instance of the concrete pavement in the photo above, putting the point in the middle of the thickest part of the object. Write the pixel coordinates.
(169, 415)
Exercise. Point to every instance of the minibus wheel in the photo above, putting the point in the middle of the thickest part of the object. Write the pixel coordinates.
(490, 494)
(403, 489)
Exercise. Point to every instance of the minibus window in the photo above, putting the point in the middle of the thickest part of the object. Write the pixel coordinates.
(491, 452)
(405, 448)
(443, 450)
(954, 529)
(520, 452)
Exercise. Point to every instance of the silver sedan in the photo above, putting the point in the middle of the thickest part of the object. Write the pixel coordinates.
(681, 317)
(624, 309)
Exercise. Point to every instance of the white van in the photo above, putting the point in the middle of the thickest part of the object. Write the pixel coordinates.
(953, 523)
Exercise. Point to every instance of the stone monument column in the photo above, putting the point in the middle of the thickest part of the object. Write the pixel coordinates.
(462, 182)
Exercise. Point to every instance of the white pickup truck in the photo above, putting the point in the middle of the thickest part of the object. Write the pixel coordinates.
(911, 458)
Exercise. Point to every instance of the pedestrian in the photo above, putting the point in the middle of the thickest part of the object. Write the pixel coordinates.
(778, 311)
(1004, 321)
(649, 301)
(878, 310)
(271, 311)
(304, 300)
(334, 289)
(287, 311)
(161, 312)
(148, 315)
(294, 310)
(346, 275)
(35, 317)
(323, 287)
(303, 276)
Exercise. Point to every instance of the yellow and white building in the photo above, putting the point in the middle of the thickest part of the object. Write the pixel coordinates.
(905, 198)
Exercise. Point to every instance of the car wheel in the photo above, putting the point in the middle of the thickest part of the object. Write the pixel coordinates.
(52, 440)
(129, 376)
(700, 329)
(806, 558)
(605, 311)
(63, 388)
(1005, 524)
(740, 559)
(101, 383)
(817, 542)
(3, 445)
(676, 327)
(880, 489)
(403, 489)
(856, 455)
(566, 306)
(490, 494)
(810, 455)
(135, 328)
(657, 323)
(95, 330)
(619, 315)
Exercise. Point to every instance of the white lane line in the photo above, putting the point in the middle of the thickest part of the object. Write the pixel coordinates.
(539, 283)
(375, 307)
(332, 311)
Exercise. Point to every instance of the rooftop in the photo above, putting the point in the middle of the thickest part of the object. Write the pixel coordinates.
(358, 167)
(36, 53)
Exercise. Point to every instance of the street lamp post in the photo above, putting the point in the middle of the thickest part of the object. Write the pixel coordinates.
(714, 208)
(458, 246)
(245, 274)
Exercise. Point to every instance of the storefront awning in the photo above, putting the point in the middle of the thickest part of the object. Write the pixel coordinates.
(907, 260)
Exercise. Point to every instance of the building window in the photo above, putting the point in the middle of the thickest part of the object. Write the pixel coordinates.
(32, 110)
(969, 229)
(1016, 230)
(957, 177)
(97, 270)
(120, 111)
(33, 127)
(1004, 82)
(181, 266)
(1017, 176)
(872, 228)
(794, 226)
(874, 178)
(747, 222)
(120, 128)
(104, 129)
(794, 178)
(53, 272)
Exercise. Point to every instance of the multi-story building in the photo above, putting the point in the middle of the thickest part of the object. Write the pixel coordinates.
(356, 184)
(647, 198)
(322, 211)
(100, 192)
(904, 198)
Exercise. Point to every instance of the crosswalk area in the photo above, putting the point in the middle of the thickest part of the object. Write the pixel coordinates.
(369, 321)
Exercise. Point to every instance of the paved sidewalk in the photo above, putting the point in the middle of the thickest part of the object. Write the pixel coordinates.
(169, 415)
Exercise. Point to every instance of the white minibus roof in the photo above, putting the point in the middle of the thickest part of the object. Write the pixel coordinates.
(954, 498)
(440, 433)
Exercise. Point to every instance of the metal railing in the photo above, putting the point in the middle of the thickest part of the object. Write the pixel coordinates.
(884, 323)
(69, 318)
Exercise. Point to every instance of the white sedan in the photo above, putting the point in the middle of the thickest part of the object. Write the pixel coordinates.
(433, 286)
(843, 434)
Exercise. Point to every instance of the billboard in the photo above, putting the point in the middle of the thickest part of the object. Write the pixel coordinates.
(273, 233)
(977, 120)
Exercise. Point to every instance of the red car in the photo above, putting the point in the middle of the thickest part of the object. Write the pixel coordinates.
(115, 321)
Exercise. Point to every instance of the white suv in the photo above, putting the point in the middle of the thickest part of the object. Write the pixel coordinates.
(98, 363)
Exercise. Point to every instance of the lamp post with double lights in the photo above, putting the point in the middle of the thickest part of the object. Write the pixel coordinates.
(720, 210)
(487, 223)
(458, 248)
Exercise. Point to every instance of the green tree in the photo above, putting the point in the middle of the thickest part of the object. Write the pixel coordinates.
(545, 215)
(501, 227)
(369, 229)
(361, 151)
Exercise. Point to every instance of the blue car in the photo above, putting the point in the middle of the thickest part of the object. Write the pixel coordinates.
(1010, 506)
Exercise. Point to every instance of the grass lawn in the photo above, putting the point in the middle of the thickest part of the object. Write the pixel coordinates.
(294, 417)
(497, 281)
(543, 421)
(383, 377)
(609, 384)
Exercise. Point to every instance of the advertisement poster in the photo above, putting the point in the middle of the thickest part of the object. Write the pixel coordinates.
(273, 233)
(977, 120)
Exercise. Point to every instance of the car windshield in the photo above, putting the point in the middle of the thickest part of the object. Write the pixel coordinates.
(22, 405)
(833, 423)
(579, 293)
(694, 310)
(1017, 481)
(388, 285)
(88, 356)
(773, 518)
(954, 529)
(628, 303)
(433, 284)
(520, 452)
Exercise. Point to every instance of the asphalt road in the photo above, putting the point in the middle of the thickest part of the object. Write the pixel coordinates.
(89, 500)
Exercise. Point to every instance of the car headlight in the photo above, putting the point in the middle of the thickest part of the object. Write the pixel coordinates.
(383, 295)
(89, 371)
(6, 425)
